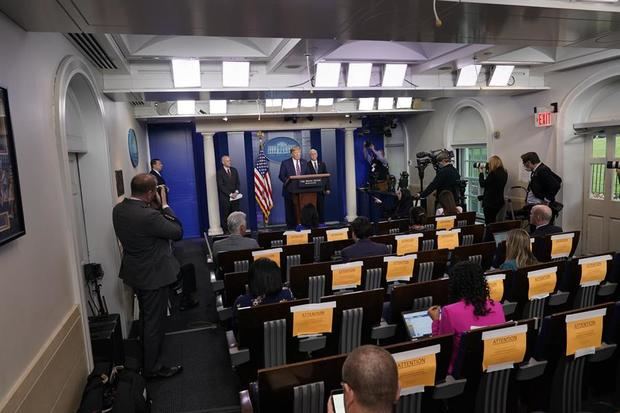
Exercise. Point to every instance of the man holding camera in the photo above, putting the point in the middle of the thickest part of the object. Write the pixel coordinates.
(145, 226)
(446, 179)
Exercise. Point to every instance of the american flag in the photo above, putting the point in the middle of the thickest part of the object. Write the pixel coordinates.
(262, 183)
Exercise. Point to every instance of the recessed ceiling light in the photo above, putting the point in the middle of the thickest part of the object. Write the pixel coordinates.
(385, 103)
(186, 107)
(366, 103)
(359, 74)
(235, 74)
(326, 101)
(186, 72)
(501, 75)
(217, 107)
(290, 103)
(445, 68)
(468, 75)
(327, 74)
(273, 103)
(308, 103)
(394, 75)
(404, 103)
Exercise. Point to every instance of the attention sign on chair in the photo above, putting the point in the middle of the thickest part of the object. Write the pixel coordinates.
(297, 237)
(337, 234)
(312, 319)
(503, 348)
(407, 244)
(584, 332)
(445, 222)
(271, 254)
(399, 268)
(496, 286)
(561, 245)
(347, 275)
(448, 239)
(416, 369)
(593, 270)
(541, 283)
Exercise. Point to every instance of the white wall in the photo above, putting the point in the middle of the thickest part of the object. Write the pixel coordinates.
(37, 278)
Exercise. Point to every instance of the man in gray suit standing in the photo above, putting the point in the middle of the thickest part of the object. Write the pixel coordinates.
(145, 226)
(237, 226)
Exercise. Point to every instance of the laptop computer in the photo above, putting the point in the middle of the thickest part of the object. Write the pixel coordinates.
(418, 324)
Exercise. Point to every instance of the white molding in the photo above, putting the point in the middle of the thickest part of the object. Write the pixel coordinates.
(448, 131)
(242, 125)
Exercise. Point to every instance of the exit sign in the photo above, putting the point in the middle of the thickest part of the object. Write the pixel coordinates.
(543, 119)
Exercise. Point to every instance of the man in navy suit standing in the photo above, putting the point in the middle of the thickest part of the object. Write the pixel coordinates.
(291, 167)
(318, 167)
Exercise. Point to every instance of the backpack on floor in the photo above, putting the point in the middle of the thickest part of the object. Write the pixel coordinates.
(130, 395)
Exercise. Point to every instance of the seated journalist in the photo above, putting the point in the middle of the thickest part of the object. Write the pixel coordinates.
(363, 247)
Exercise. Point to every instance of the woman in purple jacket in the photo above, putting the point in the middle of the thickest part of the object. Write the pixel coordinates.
(472, 306)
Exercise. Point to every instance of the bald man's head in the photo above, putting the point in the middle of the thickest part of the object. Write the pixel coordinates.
(143, 185)
(540, 215)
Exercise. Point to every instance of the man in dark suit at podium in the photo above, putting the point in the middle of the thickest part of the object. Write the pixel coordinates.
(227, 186)
(318, 167)
(294, 166)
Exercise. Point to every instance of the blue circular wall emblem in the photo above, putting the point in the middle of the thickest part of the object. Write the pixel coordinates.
(278, 149)
(132, 143)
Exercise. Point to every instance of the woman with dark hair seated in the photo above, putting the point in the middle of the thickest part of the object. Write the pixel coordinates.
(472, 305)
(448, 204)
(309, 218)
(265, 286)
(417, 219)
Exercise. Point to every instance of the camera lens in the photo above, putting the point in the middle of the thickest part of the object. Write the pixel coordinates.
(613, 164)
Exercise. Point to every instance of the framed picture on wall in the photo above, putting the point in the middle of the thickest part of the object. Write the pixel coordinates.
(11, 213)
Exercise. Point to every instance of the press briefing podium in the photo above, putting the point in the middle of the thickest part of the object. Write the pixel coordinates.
(304, 190)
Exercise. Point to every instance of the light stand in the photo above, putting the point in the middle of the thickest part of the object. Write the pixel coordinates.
(94, 274)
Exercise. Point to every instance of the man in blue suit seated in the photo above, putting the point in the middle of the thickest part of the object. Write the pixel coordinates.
(540, 218)
(291, 167)
(363, 247)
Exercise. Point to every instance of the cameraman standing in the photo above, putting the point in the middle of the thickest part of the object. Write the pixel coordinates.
(446, 179)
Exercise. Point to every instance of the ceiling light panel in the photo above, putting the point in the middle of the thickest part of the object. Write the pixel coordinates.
(235, 74)
(501, 75)
(290, 103)
(359, 74)
(273, 103)
(404, 103)
(326, 101)
(327, 75)
(366, 104)
(394, 75)
(468, 75)
(217, 107)
(186, 107)
(308, 103)
(186, 72)
(385, 104)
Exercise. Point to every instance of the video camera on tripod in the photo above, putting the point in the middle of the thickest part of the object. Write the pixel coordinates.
(425, 158)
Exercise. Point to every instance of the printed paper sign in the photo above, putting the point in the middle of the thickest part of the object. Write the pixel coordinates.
(416, 369)
(448, 239)
(561, 245)
(297, 237)
(407, 244)
(593, 270)
(503, 348)
(337, 234)
(445, 222)
(399, 268)
(272, 254)
(347, 275)
(584, 332)
(541, 282)
(310, 319)
(496, 286)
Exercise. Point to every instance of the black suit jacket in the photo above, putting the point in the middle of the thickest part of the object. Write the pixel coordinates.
(145, 234)
(160, 179)
(226, 184)
(547, 230)
(544, 184)
(363, 248)
(287, 169)
(322, 170)
(493, 186)
(447, 178)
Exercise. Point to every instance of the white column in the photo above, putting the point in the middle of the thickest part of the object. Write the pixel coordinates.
(349, 160)
(213, 205)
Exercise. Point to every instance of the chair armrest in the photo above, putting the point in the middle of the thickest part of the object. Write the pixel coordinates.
(237, 356)
(602, 353)
(224, 313)
(310, 344)
(449, 388)
(606, 289)
(530, 370)
(245, 402)
(558, 298)
(383, 331)
(509, 307)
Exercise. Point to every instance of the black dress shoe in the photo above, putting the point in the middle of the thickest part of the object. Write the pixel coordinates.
(164, 372)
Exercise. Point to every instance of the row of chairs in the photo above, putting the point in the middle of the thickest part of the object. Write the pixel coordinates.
(538, 368)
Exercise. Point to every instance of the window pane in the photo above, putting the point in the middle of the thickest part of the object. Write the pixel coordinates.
(468, 156)
(597, 184)
(616, 189)
(617, 155)
(599, 146)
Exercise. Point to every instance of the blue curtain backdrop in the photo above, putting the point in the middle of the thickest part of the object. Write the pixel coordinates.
(366, 133)
(173, 144)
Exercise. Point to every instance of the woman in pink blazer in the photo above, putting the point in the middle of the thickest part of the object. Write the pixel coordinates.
(472, 306)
